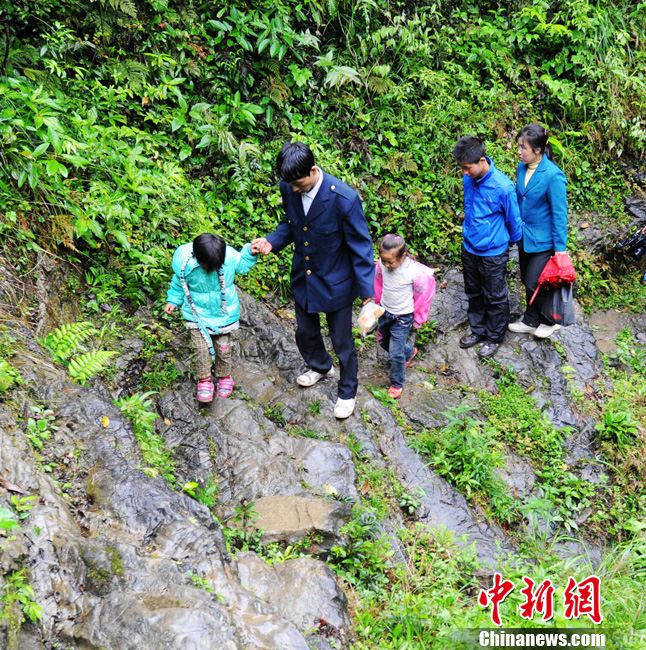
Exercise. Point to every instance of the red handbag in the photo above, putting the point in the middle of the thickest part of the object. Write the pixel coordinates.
(558, 271)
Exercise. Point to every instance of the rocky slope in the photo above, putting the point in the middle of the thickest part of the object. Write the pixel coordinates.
(118, 560)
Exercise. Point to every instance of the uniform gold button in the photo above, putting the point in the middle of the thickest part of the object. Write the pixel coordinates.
(307, 243)
(304, 228)
(309, 272)
(307, 258)
(332, 187)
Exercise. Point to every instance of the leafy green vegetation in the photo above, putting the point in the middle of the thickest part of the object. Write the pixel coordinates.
(243, 534)
(514, 417)
(7, 519)
(128, 127)
(9, 376)
(466, 453)
(17, 604)
(66, 339)
(206, 493)
(275, 413)
(40, 426)
(623, 439)
(158, 461)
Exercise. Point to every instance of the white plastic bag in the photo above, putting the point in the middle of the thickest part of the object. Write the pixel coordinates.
(368, 317)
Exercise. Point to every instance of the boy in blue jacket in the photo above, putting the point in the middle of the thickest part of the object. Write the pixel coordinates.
(491, 223)
(203, 286)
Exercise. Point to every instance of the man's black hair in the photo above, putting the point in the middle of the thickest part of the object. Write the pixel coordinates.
(469, 150)
(209, 251)
(294, 161)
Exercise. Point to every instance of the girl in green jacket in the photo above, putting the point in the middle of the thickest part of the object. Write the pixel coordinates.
(203, 286)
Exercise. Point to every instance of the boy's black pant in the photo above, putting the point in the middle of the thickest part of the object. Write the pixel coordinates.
(310, 344)
(485, 283)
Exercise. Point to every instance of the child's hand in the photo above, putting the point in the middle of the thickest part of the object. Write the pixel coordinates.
(260, 245)
(169, 308)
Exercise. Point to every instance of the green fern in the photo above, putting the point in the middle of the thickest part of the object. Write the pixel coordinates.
(65, 340)
(87, 365)
(127, 7)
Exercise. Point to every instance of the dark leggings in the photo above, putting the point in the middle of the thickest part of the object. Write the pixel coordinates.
(531, 266)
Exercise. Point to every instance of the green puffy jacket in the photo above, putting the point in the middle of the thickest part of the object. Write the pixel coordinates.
(205, 287)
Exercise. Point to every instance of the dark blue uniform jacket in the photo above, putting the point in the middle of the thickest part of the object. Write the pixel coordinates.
(333, 256)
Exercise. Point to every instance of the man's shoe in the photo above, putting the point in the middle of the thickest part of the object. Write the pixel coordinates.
(395, 392)
(469, 340)
(310, 377)
(344, 408)
(545, 331)
(412, 356)
(488, 349)
(520, 328)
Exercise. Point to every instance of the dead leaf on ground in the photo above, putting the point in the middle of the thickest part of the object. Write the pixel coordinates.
(11, 487)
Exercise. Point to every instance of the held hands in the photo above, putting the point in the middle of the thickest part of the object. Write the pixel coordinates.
(260, 245)
(169, 308)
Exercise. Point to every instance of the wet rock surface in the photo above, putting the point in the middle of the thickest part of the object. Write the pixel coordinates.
(292, 519)
(119, 560)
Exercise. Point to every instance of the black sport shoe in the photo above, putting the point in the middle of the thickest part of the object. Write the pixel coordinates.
(488, 349)
(469, 340)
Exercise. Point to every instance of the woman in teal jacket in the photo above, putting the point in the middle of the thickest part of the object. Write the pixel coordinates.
(542, 198)
(203, 286)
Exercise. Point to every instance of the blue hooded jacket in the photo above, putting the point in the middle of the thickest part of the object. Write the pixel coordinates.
(205, 287)
(491, 214)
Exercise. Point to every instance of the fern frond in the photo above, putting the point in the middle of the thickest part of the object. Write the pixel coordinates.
(127, 7)
(379, 85)
(87, 365)
(272, 66)
(401, 162)
(277, 90)
(65, 340)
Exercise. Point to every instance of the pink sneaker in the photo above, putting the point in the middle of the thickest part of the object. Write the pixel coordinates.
(205, 390)
(225, 386)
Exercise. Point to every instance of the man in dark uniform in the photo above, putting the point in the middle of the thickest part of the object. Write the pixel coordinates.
(333, 263)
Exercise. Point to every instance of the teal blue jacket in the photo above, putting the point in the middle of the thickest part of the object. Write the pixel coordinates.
(205, 287)
(543, 207)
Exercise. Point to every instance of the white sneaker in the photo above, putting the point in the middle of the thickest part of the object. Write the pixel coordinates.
(545, 331)
(520, 328)
(310, 377)
(344, 408)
